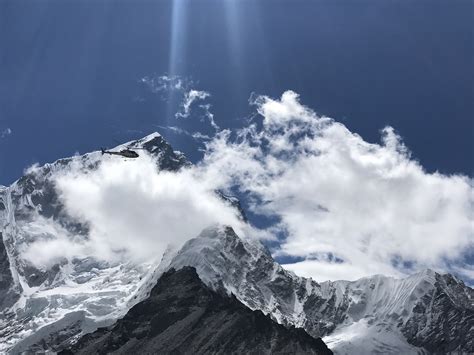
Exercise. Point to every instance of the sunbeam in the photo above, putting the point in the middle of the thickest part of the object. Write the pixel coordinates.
(177, 51)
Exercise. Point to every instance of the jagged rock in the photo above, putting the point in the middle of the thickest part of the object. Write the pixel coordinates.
(443, 319)
(183, 316)
(8, 294)
(426, 312)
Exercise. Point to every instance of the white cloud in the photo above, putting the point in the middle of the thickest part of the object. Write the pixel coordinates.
(198, 136)
(133, 212)
(189, 98)
(175, 129)
(52, 243)
(369, 205)
(210, 116)
(157, 84)
(325, 270)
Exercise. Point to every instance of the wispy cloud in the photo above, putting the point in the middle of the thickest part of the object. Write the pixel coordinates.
(164, 83)
(204, 110)
(198, 136)
(190, 97)
(209, 116)
(5, 132)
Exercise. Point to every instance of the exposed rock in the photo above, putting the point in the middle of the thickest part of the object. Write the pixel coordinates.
(426, 312)
(8, 294)
(184, 316)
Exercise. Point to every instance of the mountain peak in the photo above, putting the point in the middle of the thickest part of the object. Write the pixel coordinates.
(141, 141)
(157, 146)
(428, 275)
(385, 312)
(198, 320)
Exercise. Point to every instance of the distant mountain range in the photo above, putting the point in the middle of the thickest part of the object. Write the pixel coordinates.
(219, 293)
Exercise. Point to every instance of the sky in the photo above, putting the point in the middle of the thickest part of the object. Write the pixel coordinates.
(79, 75)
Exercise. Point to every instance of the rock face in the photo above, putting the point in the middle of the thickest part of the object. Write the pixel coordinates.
(427, 312)
(8, 294)
(443, 319)
(9, 290)
(184, 316)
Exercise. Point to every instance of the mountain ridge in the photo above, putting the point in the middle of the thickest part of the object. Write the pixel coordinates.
(42, 296)
(183, 316)
(55, 306)
(380, 305)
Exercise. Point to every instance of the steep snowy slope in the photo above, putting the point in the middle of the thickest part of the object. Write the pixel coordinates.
(183, 316)
(426, 312)
(76, 294)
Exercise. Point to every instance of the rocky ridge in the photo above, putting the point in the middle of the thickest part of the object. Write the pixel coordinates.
(183, 316)
(426, 312)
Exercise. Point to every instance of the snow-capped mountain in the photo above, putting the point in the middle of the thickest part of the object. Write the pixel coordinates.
(424, 313)
(37, 304)
(50, 308)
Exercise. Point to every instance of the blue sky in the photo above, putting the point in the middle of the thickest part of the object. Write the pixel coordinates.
(70, 71)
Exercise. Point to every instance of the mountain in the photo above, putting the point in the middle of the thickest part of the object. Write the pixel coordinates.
(51, 308)
(426, 312)
(184, 316)
(37, 304)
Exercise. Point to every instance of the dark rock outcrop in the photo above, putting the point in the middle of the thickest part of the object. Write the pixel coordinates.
(8, 294)
(443, 320)
(184, 316)
(433, 312)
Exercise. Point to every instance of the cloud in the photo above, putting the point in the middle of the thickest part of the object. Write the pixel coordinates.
(187, 95)
(345, 207)
(369, 205)
(189, 98)
(210, 116)
(52, 243)
(133, 212)
(205, 114)
(5, 132)
(164, 83)
(198, 136)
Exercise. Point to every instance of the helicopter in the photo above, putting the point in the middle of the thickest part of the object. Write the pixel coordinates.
(126, 153)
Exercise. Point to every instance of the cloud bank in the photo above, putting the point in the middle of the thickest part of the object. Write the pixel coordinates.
(133, 212)
(343, 207)
(348, 208)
